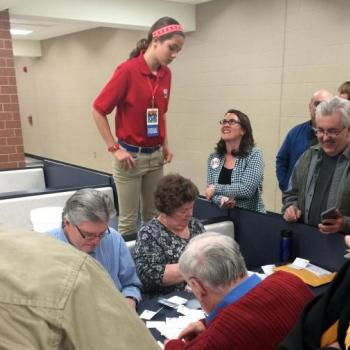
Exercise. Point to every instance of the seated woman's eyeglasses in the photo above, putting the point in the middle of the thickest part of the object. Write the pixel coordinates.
(90, 237)
(229, 122)
(330, 132)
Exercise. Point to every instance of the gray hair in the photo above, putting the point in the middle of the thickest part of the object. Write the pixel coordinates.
(214, 259)
(88, 205)
(335, 105)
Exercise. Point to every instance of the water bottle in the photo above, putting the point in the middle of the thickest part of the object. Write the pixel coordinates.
(286, 242)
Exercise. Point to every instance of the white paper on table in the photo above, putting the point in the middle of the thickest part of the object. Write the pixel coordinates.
(177, 300)
(195, 315)
(174, 325)
(167, 303)
(268, 269)
(318, 271)
(175, 322)
(262, 276)
(149, 314)
(299, 263)
(172, 328)
(155, 324)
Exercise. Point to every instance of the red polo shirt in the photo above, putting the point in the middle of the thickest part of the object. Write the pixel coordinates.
(130, 91)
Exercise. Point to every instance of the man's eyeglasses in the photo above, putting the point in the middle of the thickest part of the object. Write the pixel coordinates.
(90, 237)
(229, 122)
(331, 132)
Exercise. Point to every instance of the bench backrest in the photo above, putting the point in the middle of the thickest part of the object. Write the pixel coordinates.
(22, 180)
(17, 210)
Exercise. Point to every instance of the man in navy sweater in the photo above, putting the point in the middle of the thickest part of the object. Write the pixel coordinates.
(298, 139)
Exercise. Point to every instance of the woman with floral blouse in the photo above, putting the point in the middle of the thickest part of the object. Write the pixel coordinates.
(161, 241)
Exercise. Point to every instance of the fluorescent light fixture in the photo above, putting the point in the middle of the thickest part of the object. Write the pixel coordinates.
(20, 31)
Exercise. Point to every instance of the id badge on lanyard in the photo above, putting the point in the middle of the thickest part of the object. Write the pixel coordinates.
(152, 120)
(152, 115)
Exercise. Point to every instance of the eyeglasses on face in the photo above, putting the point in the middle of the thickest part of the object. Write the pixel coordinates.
(90, 237)
(229, 122)
(330, 132)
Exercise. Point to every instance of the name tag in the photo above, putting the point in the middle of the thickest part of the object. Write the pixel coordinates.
(152, 121)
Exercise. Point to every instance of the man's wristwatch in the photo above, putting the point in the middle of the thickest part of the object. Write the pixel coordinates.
(113, 147)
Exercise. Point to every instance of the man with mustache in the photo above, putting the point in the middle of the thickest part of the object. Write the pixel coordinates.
(321, 178)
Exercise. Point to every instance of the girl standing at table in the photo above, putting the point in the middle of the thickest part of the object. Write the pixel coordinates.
(139, 90)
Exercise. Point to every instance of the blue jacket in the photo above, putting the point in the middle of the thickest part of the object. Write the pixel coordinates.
(294, 145)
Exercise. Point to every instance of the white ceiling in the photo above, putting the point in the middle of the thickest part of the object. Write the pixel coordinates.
(52, 18)
(45, 28)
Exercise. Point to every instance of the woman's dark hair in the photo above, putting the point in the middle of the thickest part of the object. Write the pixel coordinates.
(247, 142)
(345, 89)
(173, 191)
(142, 44)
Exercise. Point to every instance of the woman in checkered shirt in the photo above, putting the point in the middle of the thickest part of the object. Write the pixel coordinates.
(236, 168)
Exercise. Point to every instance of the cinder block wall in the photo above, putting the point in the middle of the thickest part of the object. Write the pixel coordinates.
(11, 142)
(263, 57)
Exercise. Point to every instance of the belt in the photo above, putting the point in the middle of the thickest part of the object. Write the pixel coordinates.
(136, 149)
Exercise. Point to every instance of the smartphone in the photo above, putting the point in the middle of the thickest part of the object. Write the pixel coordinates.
(330, 213)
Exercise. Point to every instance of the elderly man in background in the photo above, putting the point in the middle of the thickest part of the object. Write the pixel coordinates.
(85, 220)
(321, 179)
(298, 139)
(244, 312)
(56, 297)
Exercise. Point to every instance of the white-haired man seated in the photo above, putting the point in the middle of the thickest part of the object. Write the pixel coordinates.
(244, 312)
(85, 220)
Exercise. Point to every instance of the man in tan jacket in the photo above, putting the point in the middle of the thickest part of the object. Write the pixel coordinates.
(53, 296)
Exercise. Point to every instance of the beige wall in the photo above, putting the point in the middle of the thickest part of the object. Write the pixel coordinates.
(263, 57)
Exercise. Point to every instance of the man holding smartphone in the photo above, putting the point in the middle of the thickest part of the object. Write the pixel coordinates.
(321, 178)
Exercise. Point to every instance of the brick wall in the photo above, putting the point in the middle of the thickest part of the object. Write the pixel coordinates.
(11, 141)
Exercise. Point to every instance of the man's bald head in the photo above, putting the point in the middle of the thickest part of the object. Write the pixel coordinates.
(316, 98)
